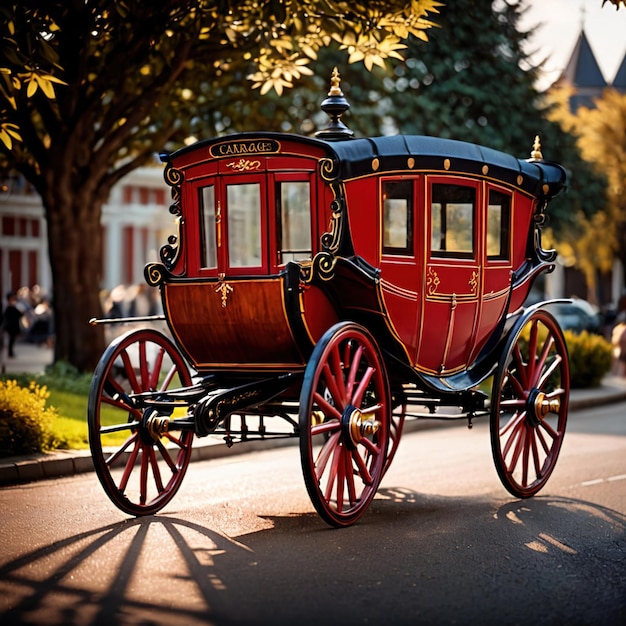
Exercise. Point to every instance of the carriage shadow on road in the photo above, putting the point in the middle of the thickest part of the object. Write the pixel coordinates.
(412, 552)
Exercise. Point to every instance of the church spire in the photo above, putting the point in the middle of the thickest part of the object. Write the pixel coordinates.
(583, 73)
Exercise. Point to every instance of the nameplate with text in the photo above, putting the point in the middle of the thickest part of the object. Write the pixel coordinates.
(244, 146)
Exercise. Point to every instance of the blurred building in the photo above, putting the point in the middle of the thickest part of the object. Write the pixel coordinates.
(135, 221)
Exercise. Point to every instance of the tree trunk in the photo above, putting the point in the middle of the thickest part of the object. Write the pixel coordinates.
(75, 246)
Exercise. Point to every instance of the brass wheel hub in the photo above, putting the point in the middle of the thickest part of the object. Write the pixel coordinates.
(543, 405)
(157, 425)
(359, 426)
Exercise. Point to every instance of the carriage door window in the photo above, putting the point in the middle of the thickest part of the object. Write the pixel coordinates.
(294, 208)
(452, 212)
(498, 225)
(208, 251)
(398, 217)
(244, 225)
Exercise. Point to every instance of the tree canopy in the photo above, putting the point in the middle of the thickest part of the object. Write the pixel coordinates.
(90, 90)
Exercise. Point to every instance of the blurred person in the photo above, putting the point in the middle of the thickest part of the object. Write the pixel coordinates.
(11, 318)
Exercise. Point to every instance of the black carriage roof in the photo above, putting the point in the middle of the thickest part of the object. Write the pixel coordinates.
(434, 154)
(355, 158)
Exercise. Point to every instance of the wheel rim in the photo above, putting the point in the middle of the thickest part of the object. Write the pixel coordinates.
(139, 463)
(529, 405)
(344, 423)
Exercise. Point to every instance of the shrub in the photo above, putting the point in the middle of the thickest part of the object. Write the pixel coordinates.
(589, 358)
(25, 422)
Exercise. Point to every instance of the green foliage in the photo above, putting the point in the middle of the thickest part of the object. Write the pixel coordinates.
(589, 358)
(25, 422)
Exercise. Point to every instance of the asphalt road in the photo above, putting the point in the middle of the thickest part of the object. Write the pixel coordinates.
(442, 543)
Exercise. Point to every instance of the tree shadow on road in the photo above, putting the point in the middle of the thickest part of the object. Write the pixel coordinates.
(413, 559)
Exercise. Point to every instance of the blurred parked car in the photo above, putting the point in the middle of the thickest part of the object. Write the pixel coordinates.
(576, 316)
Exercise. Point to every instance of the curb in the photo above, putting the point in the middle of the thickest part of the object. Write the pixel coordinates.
(34, 467)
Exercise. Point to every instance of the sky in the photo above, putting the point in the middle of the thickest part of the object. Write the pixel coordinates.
(558, 24)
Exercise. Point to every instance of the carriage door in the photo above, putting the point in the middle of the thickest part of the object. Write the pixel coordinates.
(452, 275)
(233, 220)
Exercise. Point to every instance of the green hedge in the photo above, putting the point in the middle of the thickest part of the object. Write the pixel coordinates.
(589, 358)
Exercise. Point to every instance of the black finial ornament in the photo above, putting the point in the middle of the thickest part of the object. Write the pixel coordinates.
(335, 105)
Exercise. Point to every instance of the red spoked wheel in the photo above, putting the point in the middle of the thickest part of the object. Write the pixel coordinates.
(345, 409)
(139, 463)
(529, 404)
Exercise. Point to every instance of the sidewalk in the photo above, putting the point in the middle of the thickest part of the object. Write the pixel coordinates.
(33, 359)
(28, 358)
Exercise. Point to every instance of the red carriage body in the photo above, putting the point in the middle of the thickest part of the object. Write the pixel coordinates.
(343, 280)
(413, 237)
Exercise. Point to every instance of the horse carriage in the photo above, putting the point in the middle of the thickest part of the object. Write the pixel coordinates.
(330, 288)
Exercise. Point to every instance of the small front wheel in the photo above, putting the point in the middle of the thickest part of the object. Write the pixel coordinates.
(345, 409)
(139, 465)
(529, 404)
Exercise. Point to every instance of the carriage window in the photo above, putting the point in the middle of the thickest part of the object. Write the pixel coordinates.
(207, 223)
(452, 211)
(498, 225)
(398, 217)
(244, 225)
(294, 205)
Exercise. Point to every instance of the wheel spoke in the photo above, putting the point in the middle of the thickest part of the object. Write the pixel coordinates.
(517, 386)
(130, 463)
(535, 451)
(156, 368)
(519, 365)
(365, 381)
(143, 367)
(143, 478)
(333, 389)
(364, 472)
(549, 371)
(333, 480)
(338, 377)
(512, 423)
(113, 457)
(165, 455)
(129, 370)
(324, 454)
(354, 368)
(156, 472)
(327, 408)
(517, 439)
(542, 361)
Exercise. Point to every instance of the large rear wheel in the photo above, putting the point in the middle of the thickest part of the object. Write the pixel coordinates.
(139, 463)
(345, 409)
(529, 404)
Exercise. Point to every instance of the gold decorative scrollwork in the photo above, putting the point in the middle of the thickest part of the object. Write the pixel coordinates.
(473, 282)
(330, 240)
(223, 288)
(244, 165)
(155, 274)
(328, 169)
(173, 177)
(322, 267)
(432, 281)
